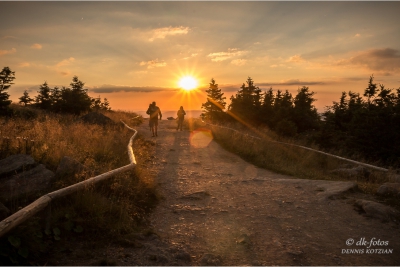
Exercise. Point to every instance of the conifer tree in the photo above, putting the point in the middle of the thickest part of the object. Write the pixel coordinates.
(247, 102)
(215, 105)
(75, 100)
(25, 99)
(43, 100)
(6, 78)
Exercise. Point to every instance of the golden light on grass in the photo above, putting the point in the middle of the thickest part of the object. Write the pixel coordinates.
(188, 83)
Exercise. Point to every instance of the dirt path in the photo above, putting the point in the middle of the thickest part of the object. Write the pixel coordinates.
(219, 209)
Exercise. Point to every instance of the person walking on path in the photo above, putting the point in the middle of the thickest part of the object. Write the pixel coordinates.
(154, 111)
(181, 116)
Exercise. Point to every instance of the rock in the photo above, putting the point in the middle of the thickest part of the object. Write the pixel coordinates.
(183, 255)
(210, 260)
(196, 195)
(4, 212)
(389, 189)
(170, 118)
(26, 184)
(357, 172)
(69, 167)
(15, 163)
(376, 210)
(326, 189)
(243, 240)
(97, 118)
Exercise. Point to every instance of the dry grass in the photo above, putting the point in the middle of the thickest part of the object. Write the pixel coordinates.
(115, 207)
(286, 159)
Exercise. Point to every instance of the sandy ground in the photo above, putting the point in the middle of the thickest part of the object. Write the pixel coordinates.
(220, 210)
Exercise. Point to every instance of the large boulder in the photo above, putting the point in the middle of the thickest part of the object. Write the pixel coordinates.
(26, 184)
(69, 167)
(389, 189)
(15, 164)
(377, 210)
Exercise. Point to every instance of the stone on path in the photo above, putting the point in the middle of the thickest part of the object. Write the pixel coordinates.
(210, 260)
(326, 189)
(389, 189)
(377, 210)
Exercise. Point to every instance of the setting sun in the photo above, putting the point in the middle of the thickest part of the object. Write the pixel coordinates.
(187, 83)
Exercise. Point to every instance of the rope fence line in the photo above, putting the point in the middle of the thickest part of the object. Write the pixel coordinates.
(22, 215)
(314, 150)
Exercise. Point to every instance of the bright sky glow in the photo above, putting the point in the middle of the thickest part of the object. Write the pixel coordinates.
(135, 52)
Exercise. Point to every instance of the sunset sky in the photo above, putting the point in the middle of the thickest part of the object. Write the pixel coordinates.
(133, 53)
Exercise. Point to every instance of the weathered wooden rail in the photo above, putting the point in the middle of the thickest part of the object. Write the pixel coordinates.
(314, 150)
(22, 215)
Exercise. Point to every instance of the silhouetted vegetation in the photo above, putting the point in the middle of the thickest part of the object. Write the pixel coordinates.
(365, 126)
(215, 105)
(73, 100)
(368, 125)
(6, 78)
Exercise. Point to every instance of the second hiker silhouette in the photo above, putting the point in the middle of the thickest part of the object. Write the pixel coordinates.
(181, 117)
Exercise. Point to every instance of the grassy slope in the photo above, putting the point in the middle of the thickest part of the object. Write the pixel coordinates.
(114, 209)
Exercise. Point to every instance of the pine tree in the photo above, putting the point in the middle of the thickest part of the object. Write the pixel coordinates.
(56, 98)
(6, 78)
(105, 105)
(43, 100)
(96, 104)
(25, 99)
(215, 105)
(75, 100)
(247, 102)
(305, 114)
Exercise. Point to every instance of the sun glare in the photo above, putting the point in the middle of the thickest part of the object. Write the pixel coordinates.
(187, 83)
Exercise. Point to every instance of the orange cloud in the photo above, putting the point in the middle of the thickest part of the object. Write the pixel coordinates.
(221, 56)
(36, 46)
(5, 52)
(153, 64)
(161, 33)
(295, 58)
(64, 62)
(239, 62)
(24, 64)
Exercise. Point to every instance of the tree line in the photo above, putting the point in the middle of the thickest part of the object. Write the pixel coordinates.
(366, 126)
(73, 99)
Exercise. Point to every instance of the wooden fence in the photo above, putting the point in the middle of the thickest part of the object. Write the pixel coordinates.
(22, 215)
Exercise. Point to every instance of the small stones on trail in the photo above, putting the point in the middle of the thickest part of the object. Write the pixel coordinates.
(183, 255)
(210, 260)
(196, 195)
(243, 240)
